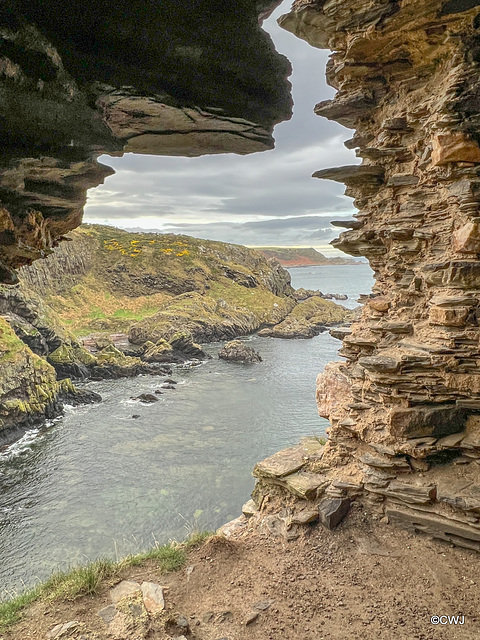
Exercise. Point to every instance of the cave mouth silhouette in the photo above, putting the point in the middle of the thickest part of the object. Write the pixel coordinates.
(137, 76)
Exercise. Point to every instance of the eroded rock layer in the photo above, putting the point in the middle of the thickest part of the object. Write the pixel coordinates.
(405, 405)
(108, 78)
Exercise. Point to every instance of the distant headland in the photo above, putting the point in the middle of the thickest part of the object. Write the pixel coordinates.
(302, 256)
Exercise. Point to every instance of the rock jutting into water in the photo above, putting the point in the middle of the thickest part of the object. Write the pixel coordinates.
(405, 406)
(300, 257)
(304, 294)
(238, 351)
(308, 318)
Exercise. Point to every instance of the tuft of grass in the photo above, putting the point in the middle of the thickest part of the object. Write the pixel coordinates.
(168, 557)
(87, 580)
(80, 581)
(197, 538)
(11, 610)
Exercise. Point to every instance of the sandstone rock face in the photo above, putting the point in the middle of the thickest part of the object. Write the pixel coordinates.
(104, 78)
(407, 397)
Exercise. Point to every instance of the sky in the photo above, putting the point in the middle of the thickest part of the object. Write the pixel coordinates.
(263, 199)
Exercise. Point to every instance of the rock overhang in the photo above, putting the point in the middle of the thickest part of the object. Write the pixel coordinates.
(108, 78)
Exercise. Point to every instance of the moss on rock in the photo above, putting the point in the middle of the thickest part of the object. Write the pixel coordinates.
(29, 388)
(308, 318)
(72, 354)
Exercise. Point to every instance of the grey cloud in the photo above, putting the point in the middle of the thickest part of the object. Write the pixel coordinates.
(285, 231)
(203, 195)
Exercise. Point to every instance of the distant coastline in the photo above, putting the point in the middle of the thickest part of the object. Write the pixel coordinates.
(329, 264)
(303, 257)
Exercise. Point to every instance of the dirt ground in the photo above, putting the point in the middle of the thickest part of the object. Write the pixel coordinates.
(366, 580)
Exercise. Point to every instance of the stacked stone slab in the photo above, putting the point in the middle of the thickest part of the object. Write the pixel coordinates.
(405, 405)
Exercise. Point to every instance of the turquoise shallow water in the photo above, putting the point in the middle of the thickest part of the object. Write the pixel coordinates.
(98, 482)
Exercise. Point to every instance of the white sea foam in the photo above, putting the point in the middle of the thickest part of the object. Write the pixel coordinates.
(21, 446)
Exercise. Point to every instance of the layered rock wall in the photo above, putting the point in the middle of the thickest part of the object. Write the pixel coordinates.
(405, 405)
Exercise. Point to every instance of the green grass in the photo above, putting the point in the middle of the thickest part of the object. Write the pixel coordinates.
(80, 581)
(167, 558)
(96, 313)
(128, 314)
(87, 580)
(10, 611)
(258, 300)
(10, 344)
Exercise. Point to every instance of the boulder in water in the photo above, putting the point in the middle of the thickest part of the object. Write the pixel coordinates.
(183, 341)
(237, 351)
(75, 396)
(147, 397)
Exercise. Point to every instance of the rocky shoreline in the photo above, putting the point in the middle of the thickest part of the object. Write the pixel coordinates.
(181, 293)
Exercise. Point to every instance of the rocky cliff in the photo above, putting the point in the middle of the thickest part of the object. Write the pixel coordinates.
(150, 286)
(106, 280)
(108, 78)
(30, 389)
(405, 405)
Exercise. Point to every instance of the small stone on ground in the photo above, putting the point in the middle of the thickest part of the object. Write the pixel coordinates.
(124, 589)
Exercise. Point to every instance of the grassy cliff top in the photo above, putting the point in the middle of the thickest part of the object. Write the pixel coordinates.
(105, 279)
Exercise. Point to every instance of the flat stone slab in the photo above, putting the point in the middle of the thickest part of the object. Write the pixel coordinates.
(280, 464)
(347, 485)
(458, 533)
(124, 589)
(450, 441)
(287, 461)
(153, 597)
(107, 614)
(410, 493)
(249, 509)
(339, 333)
(305, 484)
(352, 173)
(383, 462)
